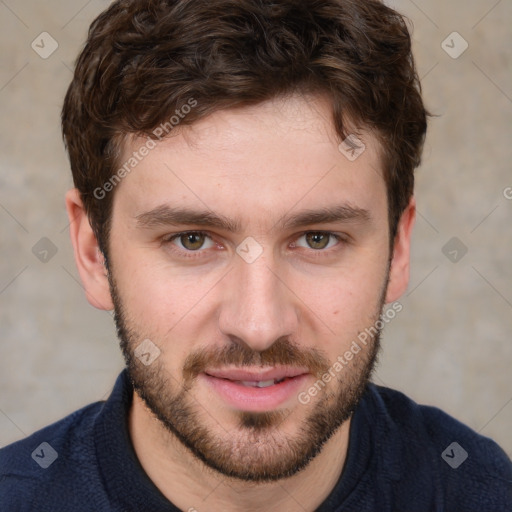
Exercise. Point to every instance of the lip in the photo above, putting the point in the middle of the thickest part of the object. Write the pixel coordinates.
(254, 399)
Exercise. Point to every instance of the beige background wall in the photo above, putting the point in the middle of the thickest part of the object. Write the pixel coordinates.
(450, 346)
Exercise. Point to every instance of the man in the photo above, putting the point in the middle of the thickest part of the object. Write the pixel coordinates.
(244, 202)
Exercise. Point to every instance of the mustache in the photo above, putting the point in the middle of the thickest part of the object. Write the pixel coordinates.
(281, 353)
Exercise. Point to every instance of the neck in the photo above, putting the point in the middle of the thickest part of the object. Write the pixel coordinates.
(192, 486)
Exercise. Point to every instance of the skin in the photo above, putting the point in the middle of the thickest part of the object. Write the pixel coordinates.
(255, 165)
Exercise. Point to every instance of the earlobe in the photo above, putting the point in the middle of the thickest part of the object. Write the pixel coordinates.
(88, 257)
(400, 264)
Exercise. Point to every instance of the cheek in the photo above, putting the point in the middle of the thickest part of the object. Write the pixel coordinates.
(162, 303)
(350, 307)
(342, 305)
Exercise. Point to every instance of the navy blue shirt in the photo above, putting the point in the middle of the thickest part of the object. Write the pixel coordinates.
(402, 457)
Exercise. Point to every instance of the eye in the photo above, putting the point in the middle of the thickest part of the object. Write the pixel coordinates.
(197, 241)
(319, 240)
(191, 241)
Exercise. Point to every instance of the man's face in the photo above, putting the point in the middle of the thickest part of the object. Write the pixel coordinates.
(235, 307)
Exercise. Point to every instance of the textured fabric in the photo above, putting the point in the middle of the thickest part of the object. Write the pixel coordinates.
(400, 459)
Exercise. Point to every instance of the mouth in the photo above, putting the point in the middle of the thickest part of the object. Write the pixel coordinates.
(256, 390)
(260, 383)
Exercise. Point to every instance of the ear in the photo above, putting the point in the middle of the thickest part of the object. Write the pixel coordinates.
(88, 257)
(400, 264)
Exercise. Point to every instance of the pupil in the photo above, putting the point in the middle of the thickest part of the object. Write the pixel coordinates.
(318, 240)
(193, 240)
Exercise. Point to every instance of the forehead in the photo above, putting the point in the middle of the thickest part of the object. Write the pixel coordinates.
(259, 160)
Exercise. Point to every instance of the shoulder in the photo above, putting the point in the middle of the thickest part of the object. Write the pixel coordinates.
(45, 463)
(467, 467)
(430, 424)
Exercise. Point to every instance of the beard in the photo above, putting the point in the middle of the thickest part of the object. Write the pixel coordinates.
(261, 448)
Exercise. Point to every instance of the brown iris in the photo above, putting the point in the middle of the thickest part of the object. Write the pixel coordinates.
(317, 240)
(192, 241)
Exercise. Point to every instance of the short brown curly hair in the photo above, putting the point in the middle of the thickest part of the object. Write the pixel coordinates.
(145, 59)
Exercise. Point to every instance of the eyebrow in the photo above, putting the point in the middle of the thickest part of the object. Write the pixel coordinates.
(178, 216)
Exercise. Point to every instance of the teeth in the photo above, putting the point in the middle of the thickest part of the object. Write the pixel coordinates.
(258, 384)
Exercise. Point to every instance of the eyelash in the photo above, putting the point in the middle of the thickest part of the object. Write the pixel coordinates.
(199, 252)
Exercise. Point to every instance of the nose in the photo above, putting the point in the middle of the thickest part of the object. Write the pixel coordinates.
(258, 307)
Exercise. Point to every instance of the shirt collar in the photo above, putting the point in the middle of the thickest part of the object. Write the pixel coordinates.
(127, 484)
